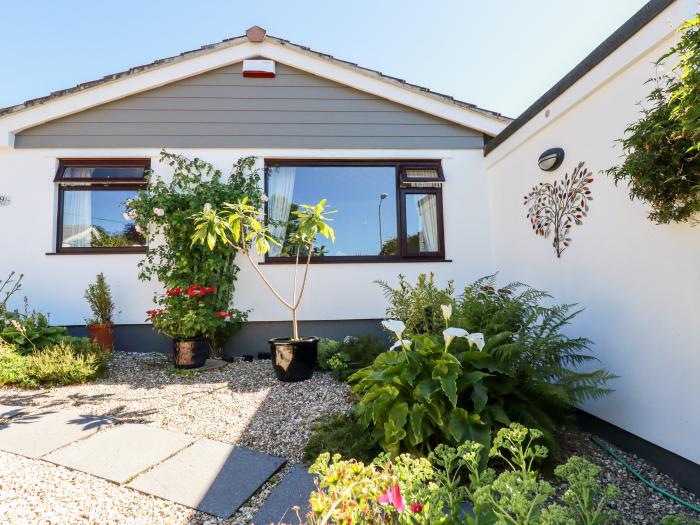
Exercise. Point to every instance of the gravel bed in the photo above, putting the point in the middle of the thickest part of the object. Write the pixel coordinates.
(242, 404)
(638, 504)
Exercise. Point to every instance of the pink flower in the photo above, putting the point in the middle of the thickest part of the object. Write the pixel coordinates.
(416, 507)
(393, 497)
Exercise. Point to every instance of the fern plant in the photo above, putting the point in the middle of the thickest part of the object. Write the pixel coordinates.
(528, 371)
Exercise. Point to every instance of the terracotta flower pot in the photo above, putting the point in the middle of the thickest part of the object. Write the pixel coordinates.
(102, 334)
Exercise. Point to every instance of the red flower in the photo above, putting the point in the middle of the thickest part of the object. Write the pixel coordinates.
(152, 312)
(210, 290)
(174, 291)
(195, 290)
(224, 314)
(416, 507)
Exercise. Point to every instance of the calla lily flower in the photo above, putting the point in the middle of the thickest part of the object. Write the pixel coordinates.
(402, 343)
(450, 333)
(396, 326)
(476, 339)
(393, 497)
(446, 311)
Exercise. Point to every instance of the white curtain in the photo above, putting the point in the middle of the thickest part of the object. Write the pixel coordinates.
(78, 173)
(427, 210)
(280, 187)
(77, 219)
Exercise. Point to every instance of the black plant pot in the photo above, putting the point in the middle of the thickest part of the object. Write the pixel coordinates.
(293, 360)
(192, 352)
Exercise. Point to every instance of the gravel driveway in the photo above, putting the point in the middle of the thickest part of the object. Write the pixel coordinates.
(242, 403)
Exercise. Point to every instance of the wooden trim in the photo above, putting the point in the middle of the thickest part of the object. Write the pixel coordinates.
(399, 165)
(100, 251)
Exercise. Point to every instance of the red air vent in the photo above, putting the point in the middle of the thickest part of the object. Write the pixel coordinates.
(259, 68)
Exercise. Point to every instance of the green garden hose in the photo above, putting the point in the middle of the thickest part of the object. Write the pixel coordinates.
(644, 480)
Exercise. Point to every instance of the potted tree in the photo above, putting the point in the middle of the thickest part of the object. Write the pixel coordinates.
(100, 325)
(187, 315)
(239, 226)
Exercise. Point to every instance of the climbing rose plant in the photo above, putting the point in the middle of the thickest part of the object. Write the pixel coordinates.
(662, 149)
(553, 208)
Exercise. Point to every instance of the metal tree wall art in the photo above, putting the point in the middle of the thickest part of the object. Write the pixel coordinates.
(553, 208)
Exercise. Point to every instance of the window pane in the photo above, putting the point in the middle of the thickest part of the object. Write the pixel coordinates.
(421, 173)
(104, 173)
(95, 219)
(365, 198)
(421, 223)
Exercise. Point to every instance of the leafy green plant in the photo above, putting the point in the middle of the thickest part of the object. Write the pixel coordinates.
(418, 305)
(71, 361)
(327, 348)
(30, 332)
(239, 226)
(344, 358)
(163, 211)
(190, 312)
(662, 149)
(406, 490)
(525, 371)
(339, 433)
(99, 297)
(678, 519)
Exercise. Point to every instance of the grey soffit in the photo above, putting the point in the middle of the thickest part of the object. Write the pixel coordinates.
(230, 42)
(221, 108)
(626, 31)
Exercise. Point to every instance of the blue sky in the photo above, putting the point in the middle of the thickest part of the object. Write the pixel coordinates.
(498, 54)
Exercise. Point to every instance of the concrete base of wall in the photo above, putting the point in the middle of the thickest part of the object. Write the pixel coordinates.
(684, 471)
(249, 340)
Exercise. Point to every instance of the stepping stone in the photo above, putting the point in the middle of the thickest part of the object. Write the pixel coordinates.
(38, 434)
(120, 453)
(294, 489)
(9, 411)
(209, 476)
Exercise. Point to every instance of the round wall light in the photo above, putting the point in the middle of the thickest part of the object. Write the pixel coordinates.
(551, 159)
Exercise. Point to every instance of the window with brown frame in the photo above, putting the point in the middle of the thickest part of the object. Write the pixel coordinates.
(387, 210)
(92, 196)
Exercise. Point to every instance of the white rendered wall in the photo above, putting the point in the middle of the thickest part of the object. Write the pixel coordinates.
(55, 283)
(638, 282)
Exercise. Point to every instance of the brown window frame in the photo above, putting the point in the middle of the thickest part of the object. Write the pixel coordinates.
(70, 184)
(401, 188)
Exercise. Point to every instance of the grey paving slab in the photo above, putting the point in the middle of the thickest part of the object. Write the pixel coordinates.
(293, 490)
(38, 434)
(209, 476)
(10, 411)
(121, 452)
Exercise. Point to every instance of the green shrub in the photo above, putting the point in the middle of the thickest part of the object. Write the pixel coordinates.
(424, 395)
(340, 434)
(71, 361)
(327, 348)
(418, 306)
(99, 297)
(407, 490)
(343, 358)
(678, 519)
(662, 149)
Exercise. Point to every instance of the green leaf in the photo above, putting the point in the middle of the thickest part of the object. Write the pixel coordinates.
(479, 396)
(463, 427)
(447, 376)
(418, 412)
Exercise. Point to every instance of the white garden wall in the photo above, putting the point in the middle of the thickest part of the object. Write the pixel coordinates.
(638, 282)
(55, 283)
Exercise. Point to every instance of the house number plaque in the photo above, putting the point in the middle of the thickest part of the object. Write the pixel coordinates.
(4, 200)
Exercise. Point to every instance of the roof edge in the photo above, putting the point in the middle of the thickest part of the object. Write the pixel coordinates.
(621, 35)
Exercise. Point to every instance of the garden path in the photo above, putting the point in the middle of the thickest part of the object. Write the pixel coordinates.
(207, 475)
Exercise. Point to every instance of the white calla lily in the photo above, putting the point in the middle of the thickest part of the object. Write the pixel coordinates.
(402, 343)
(476, 339)
(450, 333)
(396, 326)
(446, 311)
